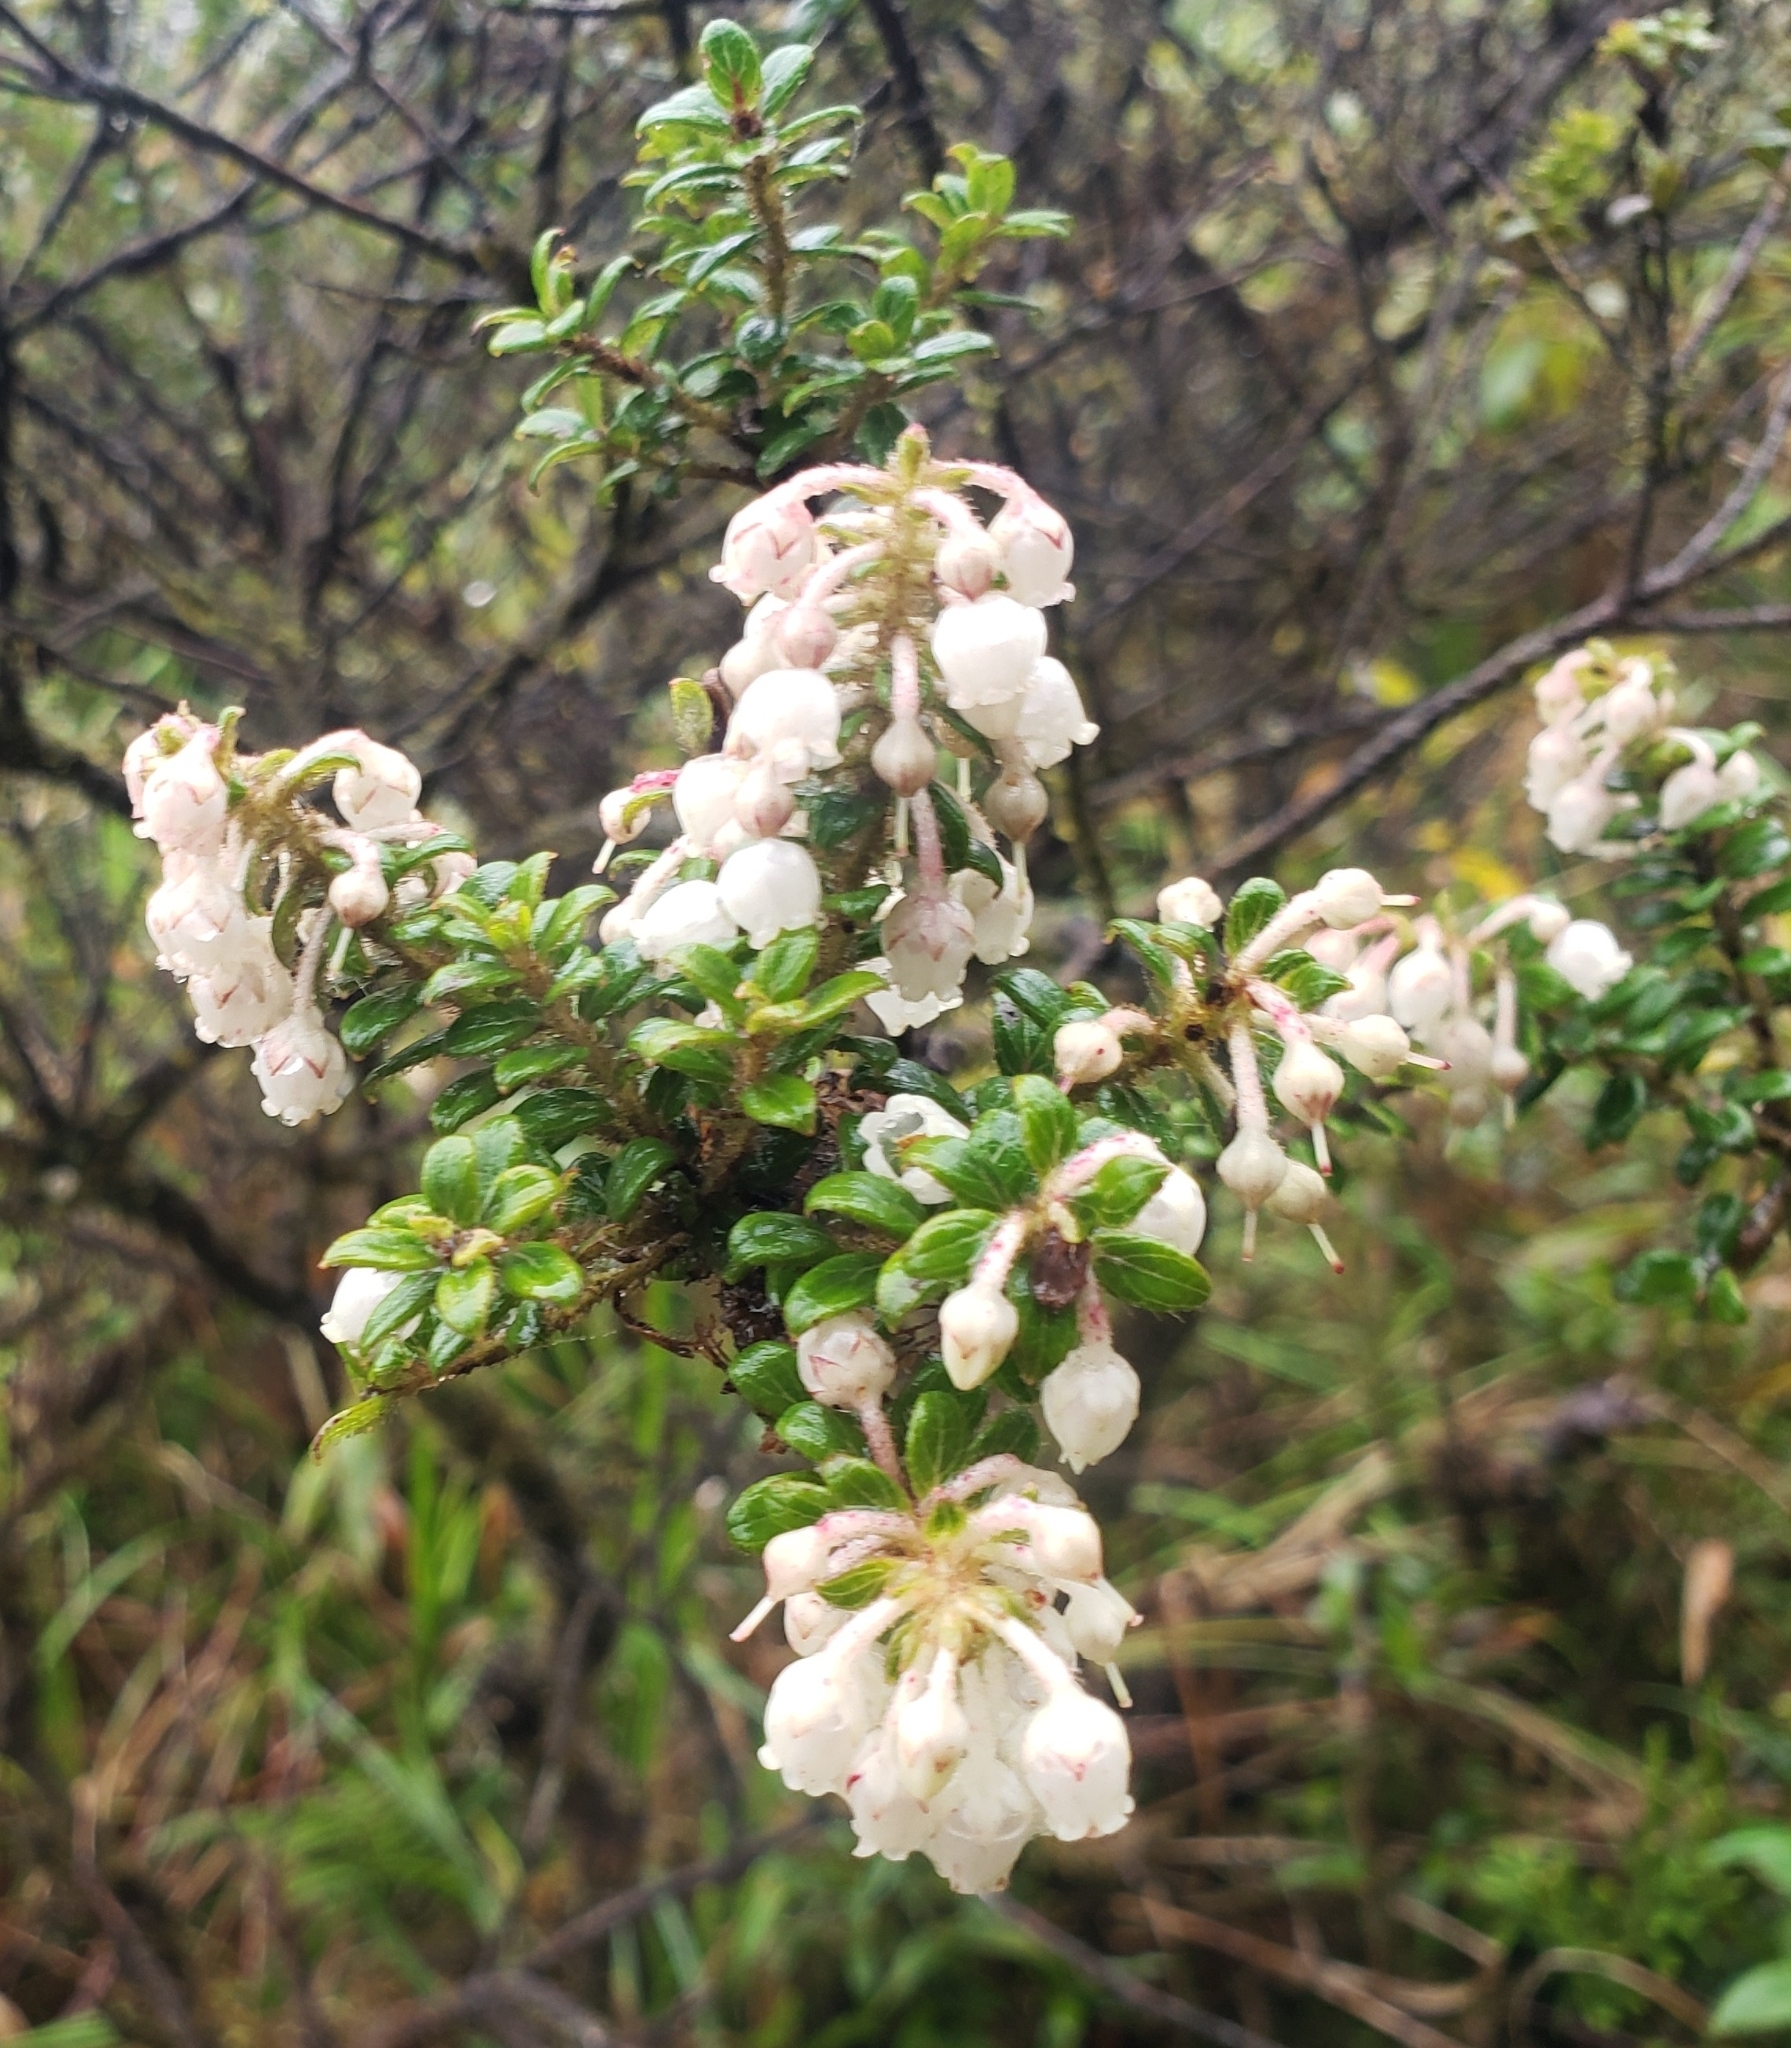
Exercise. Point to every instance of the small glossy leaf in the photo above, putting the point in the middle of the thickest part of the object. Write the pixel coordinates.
(1047, 1121)
(1117, 1193)
(774, 1237)
(386, 1251)
(815, 1433)
(450, 1179)
(784, 1100)
(1250, 910)
(765, 1377)
(462, 1100)
(769, 1507)
(518, 1196)
(938, 1437)
(464, 1295)
(365, 1023)
(636, 1167)
(541, 1272)
(835, 1286)
(1149, 1273)
(857, 1483)
(867, 1199)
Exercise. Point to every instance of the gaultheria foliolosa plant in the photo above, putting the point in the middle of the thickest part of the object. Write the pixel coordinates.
(909, 1281)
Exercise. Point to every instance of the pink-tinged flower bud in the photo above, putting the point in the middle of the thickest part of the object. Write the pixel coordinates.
(383, 790)
(769, 887)
(793, 1562)
(1308, 1083)
(928, 941)
(1510, 1069)
(805, 635)
(930, 1730)
(146, 753)
(987, 651)
(1547, 920)
(1560, 693)
(904, 757)
(1346, 896)
(1688, 793)
(244, 993)
(1739, 774)
(907, 1116)
(195, 919)
(1579, 814)
(1630, 707)
(1587, 955)
(1556, 756)
(1190, 901)
(1175, 1214)
(1016, 803)
(977, 1328)
(1302, 1196)
(1036, 549)
(1090, 1402)
(1086, 1050)
(185, 804)
(763, 805)
(966, 563)
(1420, 989)
(793, 716)
(688, 914)
(768, 549)
(1468, 1047)
(757, 651)
(302, 1069)
(1253, 1166)
(358, 1293)
(1059, 1541)
(703, 798)
(843, 1362)
(1052, 721)
(1002, 916)
(624, 815)
(1076, 1761)
(1375, 1046)
(360, 894)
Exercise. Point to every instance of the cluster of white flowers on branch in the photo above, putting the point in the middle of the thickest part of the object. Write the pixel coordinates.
(694, 1095)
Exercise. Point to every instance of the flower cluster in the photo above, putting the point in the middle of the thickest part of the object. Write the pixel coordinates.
(935, 1685)
(227, 919)
(894, 626)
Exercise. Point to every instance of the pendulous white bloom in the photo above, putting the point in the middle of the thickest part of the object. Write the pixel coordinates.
(383, 790)
(1346, 896)
(1175, 1214)
(184, 800)
(898, 1013)
(843, 1362)
(1580, 813)
(359, 1292)
(1557, 756)
(791, 718)
(244, 994)
(195, 918)
(1090, 1402)
(1001, 917)
(1586, 954)
(1375, 1046)
(928, 941)
(703, 799)
(907, 1116)
(1190, 901)
(1036, 549)
(1420, 988)
(1051, 719)
(768, 548)
(688, 914)
(302, 1069)
(1308, 1083)
(769, 887)
(987, 651)
(1076, 1760)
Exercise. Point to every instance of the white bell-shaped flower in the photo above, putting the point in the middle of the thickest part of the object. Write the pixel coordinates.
(1097, 1618)
(1586, 954)
(819, 1713)
(359, 1292)
(844, 1362)
(1556, 757)
(1052, 720)
(1308, 1083)
(810, 1621)
(195, 918)
(1036, 550)
(769, 887)
(1420, 988)
(928, 941)
(1739, 774)
(895, 1011)
(688, 914)
(1175, 1214)
(987, 651)
(1001, 917)
(1190, 901)
(791, 716)
(185, 804)
(977, 1328)
(887, 1819)
(244, 993)
(768, 548)
(907, 1116)
(302, 1068)
(1086, 1050)
(1560, 691)
(1688, 793)
(383, 790)
(1344, 897)
(1375, 1046)
(758, 648)
(931, 1732)
(1090, 1403)
(1580, 813)
(1076, 1762)
(703, 799)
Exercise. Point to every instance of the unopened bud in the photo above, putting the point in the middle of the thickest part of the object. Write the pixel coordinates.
(623, 816)
(1510, 1069)
(807, 635)
(1375, 1046)
(843, 1362)
(977, 1328)
(1253, 1166)
(1345, 897)
(764, 804)
(1308, 1083)
(1547, 920)
(904, 757)
(1016, 803)
(359, 894)
(1086, 1050)
(966, 563)
(383, 790)
(1190, 901)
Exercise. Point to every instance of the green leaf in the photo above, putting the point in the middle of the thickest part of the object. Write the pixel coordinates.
(836, 815)
(530, 1063)
(462, 1100)
(636, 1167)
(1765, 1850)
(833, 998)
(1620, 1104)
(492, 1028)
(687, 1049)
(1755, 847)
(695, 107)
(945, 1247)
(770, 1507)
(450, 1179)
(463, 1296)
(765, 1377)
(731, 66)
(541, 1272)
(1117, 1193)
(518, 1196)
(554, 1115)
(832, 1288)
(1149, 1273)
(784, 1100)
(859, 1584)
(386, 1251)
(1768, 902)
(1035, 995)
(406, 1302)
(938, 1437)
(773, 1237)
(1304, 978)
(815, 1433)
(1758, 2002)
(857, 1483)
(955, 1165)
(867, 1199)
(1255, 903)
(365, 1023)
(1655, 1277)
(711, 972)
(1013, 1433)
(782, 971)
(1047, 1121)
